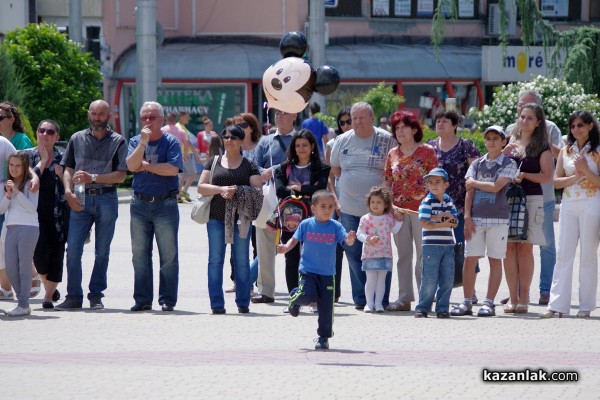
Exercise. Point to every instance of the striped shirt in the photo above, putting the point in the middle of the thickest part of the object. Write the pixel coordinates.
(431, 206)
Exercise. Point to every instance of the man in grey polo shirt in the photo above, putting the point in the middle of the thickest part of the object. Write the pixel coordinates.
(95, 156)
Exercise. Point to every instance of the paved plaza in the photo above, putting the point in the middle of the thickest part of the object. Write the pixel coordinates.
(192, 354)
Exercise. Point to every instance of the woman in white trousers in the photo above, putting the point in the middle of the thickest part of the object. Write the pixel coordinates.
(577, 171)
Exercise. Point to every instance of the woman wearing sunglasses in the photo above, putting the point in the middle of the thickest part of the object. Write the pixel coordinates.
(53, 212)
(229, 178)
(577, 171)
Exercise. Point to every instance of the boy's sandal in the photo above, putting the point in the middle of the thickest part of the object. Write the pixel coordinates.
(35, 290)
(6, 294)
(521, 309)
(510, 308)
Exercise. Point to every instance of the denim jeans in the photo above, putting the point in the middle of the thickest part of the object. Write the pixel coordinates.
(547, 252)
(216, 258)
(102, 212)
(358, 278)
(158, 219)
(438, 273)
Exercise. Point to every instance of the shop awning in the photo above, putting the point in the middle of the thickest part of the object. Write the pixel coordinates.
(226, 62)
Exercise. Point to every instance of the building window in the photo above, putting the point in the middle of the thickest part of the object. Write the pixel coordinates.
(467, 9)
(93, 41)
(594, 10)
(345, 8)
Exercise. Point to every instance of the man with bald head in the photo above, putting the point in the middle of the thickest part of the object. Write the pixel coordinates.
(96, 157)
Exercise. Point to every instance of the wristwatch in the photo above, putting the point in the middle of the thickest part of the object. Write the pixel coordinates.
(94, 177)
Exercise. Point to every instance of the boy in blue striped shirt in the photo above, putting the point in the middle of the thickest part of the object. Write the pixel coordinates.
(437, 214)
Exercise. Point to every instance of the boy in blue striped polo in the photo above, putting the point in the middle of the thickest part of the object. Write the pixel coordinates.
(437, 214)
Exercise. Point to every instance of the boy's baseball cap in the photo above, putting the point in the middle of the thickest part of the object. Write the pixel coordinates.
(496, 128)
(437, 172)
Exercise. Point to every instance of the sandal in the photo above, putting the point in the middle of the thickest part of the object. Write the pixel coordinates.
(6, 294)
(35, 290)
(510, 308)
(522, 309)
(551, 314)
(583, 314)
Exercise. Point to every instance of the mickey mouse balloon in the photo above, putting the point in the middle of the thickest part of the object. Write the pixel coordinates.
(290, 82)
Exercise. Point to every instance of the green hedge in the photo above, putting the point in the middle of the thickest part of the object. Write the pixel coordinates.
(476, 137)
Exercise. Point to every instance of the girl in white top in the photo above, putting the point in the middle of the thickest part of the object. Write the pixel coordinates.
(22, 229)
(375, 230)
(577, 171)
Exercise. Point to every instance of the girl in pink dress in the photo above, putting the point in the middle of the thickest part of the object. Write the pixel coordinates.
(375, 231)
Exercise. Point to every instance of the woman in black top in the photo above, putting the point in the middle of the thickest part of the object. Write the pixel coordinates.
(230, 171)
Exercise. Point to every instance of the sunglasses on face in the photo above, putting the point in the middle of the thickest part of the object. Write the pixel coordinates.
(345, 122)
(230, 137)
(243, 125)
(45, 131)
(3, 117)
(282, 113)
(579, 125)
(150, 118)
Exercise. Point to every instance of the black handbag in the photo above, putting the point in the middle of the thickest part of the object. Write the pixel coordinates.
(518, 220)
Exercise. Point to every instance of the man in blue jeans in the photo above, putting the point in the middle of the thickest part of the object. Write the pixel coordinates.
(95, 157)
(155, 159)
(358, 159)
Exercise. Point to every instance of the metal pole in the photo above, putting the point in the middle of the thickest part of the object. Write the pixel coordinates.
(75, 26)
(316, 41)
(145, 33)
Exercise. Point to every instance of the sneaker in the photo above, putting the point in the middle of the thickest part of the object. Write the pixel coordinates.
(294, 310)
(243, 310)
(141, 307)
(487, 310)
(462, 309)
(369, 309)
(231, 289)
(96, 304)
(443, 314)
(379, 309)
(313, 309)
(68, 305)
(165, 307)
(18, 311)
(359, 307)
(420, 314)
(321, 343)
(544, 299)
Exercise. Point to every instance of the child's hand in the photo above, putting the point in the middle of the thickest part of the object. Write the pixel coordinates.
(470, 183)
(350, 238)
(9, 186)
(282, 249)
(373, 240)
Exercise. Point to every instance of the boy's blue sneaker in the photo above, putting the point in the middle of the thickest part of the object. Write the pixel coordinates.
(321, 343)
(462, 309)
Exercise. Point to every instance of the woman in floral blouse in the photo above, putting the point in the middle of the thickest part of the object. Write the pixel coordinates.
(405, 167)
(577, 171)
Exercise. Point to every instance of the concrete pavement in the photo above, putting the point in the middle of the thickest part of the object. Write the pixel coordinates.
(190, 353)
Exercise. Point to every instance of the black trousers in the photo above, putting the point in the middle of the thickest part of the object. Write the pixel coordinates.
(319, 288)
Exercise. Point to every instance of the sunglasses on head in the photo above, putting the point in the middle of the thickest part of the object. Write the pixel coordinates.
(46, 131)
(243, 125)
(579, 125)
(345, 122)
(3, 117)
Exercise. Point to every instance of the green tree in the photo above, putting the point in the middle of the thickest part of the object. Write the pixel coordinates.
(580, 45)
(60, 80)
(12, 87)
(382, 98)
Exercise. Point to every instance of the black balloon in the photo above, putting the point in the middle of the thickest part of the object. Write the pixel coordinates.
(328, 79)
(293, 44)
